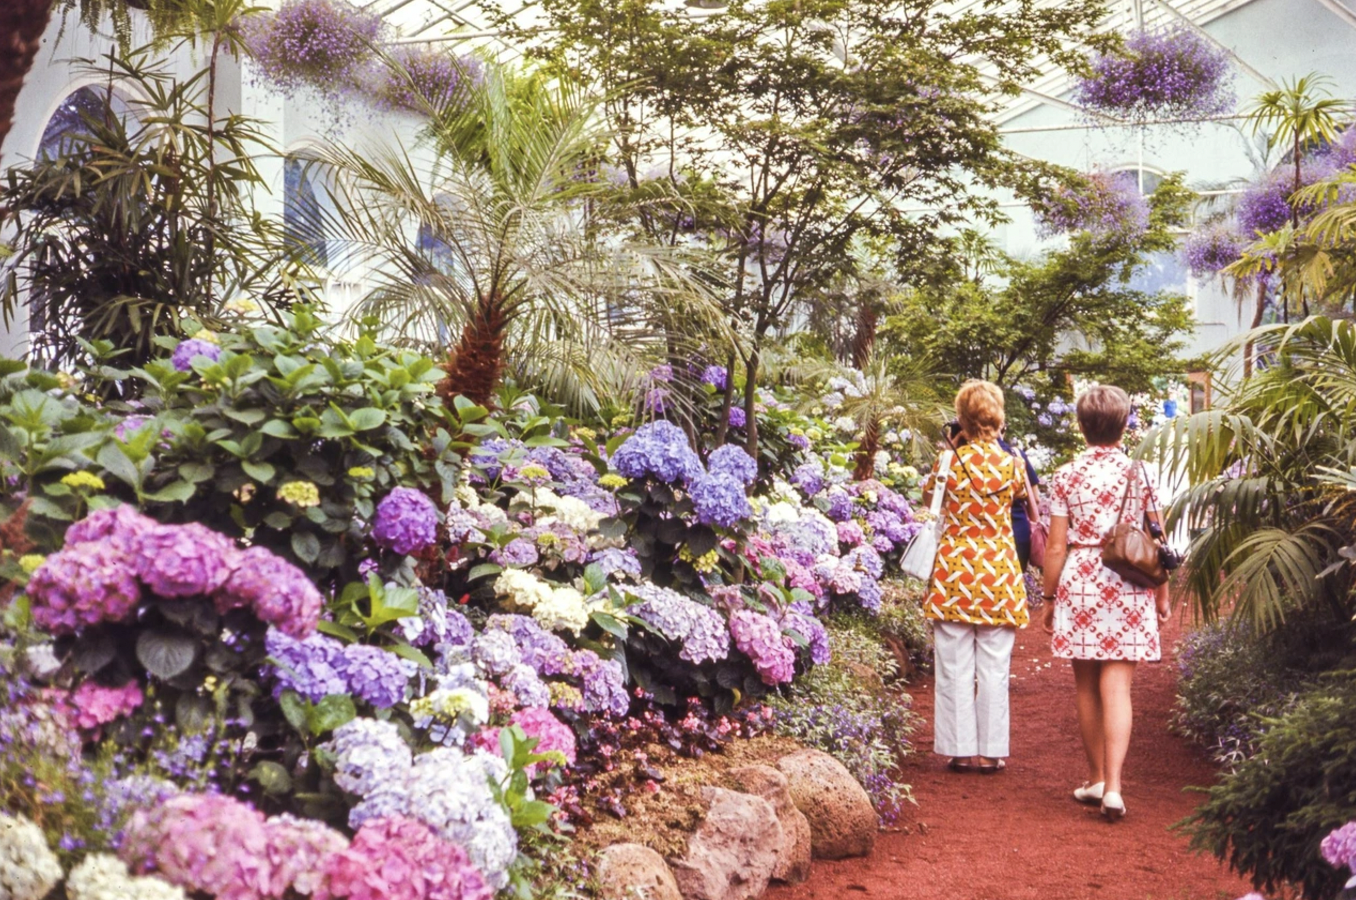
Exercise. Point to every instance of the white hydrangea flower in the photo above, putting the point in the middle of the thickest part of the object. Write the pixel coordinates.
(105, 877)
(450, 791)
(28, 867)
(563, 610)
(570, 510)
(882, 458)
(780, 513)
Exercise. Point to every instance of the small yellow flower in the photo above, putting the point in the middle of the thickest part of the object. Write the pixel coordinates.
(814, 434)
(796, 430)
(65, 381)
(300, 493)
(909, 472)
(612, 481)
(206, 334)
(621, 421)
(586, 434)
(362, 473)
(209, 683)
(241, 305)
(563, 695)
(79, 480)
(547, 539)
(707, 562)
(534, 472)
(29, 562)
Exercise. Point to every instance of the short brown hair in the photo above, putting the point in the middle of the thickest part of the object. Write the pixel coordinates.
(1102, 414)
(979, 407)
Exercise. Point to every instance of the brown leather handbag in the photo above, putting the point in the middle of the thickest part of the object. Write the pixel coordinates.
(1128, 549)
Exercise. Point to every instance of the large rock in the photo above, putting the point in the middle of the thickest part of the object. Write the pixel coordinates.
(842, 820)
(793, 859)
(635, 872)
(733, 853)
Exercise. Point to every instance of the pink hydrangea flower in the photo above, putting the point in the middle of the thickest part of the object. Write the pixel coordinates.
(94, 705)
(278, 592)
(1339, 847)
(120, 526)
(760, 638)
(183, 560)
(202, 842)
(298, 850)
(397, 858)
(84, 584)
(552, 735)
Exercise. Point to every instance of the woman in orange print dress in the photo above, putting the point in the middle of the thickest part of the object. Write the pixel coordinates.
(977, 599)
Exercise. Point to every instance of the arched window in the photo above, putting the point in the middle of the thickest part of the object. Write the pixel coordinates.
(69, 120)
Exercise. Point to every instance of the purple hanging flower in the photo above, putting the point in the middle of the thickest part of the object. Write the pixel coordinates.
(406, 521)
(321, 43)
(1104, 204)
(1169, 74)
(1208, 251)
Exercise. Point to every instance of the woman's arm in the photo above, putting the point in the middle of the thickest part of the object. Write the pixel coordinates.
(1056, 552)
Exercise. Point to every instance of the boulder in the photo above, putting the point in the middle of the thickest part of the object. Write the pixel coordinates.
(635, 872)
(793, 859)
(842, 820)
(733, 852)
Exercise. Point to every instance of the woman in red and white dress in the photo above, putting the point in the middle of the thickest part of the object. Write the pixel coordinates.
(1101, 622)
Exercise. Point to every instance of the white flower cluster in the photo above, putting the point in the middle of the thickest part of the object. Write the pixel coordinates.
(103, 876)
(450, 791)
(570, 510)
(28, 867)
(555, 607)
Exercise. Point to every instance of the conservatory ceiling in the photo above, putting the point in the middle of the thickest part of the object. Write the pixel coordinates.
(462, 23)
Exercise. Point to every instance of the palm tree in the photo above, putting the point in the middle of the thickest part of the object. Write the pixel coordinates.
(1270, 481)
(1300, 113)
(22, 23)
(483, 238)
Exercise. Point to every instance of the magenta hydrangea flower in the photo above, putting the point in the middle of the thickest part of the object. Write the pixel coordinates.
(82, 585)
(120, 526)
(275, 590)
(298, 850)
(1339, 847)
(94, 705)
(183, 560)
(201, 842)
(398, 858)
(191, 349)
(406, 521)
(760, 639)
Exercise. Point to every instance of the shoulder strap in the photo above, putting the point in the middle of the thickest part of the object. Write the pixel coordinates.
(1125, 498)
(939, 483)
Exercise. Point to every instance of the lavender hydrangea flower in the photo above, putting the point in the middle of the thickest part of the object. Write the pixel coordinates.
(536, 647)
(183, 560)
(716, 376)
(450, 791)
(1339, 847)
(120, 526)
(406, 521)
(656, 400)
(516, 552)
(662, 372)
(82, 585)
(737, 417)
(367, 754)
(699, 628)
(735, 462)
(375, 675)
(495, 652)
(525, 684)
(661, 450)
(760, 638)
(719, 499)
(430, 626)
(278, 592)
(838, 505)
(809, 477)
(191, 349)
(799, 441)
(309, 667)
(869, 595)
(866, 559)
(604, 688)
(615, 561)
(810, 628)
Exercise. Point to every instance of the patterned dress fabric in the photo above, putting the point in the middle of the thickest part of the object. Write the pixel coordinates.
(978, 579)
(1099, 615)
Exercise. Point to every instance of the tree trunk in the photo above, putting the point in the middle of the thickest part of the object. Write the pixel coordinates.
(22, 23)
(1256, 323)
(751, 402)
(476, 366)
(866, 453)
(865, 338)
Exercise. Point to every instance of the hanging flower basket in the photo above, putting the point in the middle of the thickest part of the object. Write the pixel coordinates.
(1105, 203)
(1209, 250)
(1170, 74)
(424, 79)
(323, 44)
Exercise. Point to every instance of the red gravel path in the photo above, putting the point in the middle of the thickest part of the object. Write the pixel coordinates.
(1019, 835)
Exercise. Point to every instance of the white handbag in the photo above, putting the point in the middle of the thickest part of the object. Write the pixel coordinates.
(920, 558)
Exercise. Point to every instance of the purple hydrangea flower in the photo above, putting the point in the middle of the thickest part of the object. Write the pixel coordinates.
(278, 592)
(850, 533)
(121, 526)
(760, 639)
(537, 647)
(869, 595)
(525, 684)
(698, 628)
(516, 552)
(656, 400)
(374, 675)
(183, 560)
(809, 477)
(308, 667)
(719, 500)
(604, 688)
(495, 651)
(406, 521)
(663, 372)
(660, 450)
(735, 462)
(866, 559)
(615, 561)
(716, 376)
(191, 349)
(736, 417)
(799, 441)
(839, 505)
(1339, 847)
(84, 584)
(810, 628)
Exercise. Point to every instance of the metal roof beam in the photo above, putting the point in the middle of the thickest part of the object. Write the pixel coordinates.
(1340, 11)
(1088, 126)
(1191, 23)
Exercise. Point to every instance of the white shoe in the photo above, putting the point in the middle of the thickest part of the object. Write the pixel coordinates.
(1089, 793)
(1113, 807)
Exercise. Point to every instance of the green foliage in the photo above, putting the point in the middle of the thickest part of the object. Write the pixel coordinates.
(1013, 328)
(845, 709)
(1268, 816)
(1269, 471)
(141, 221)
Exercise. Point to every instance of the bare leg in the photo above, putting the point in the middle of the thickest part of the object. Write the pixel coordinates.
(1116, 716)
(1087, 676)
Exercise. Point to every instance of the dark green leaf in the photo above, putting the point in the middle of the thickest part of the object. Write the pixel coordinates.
(166, 653)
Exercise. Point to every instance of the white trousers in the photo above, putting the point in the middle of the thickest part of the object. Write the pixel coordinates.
(972, 664)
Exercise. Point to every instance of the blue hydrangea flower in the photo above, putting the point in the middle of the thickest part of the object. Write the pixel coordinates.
(450, 792)
(524, 683)
(733, 461)
(810, 628)
(809, 477)
(616, 561)
(375, 675)
(604, 688)
(659, 450)
(869, 595)
(309, 667)
(716, 376)
(720, 500)
(737, 417)
(839, 505)
(699, 628)
(368, 753)
(537, 647)
(406, 521)
(516, 552)
(191, 349)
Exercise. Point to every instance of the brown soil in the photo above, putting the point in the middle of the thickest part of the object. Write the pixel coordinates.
(1019, 835)
(663, 820)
